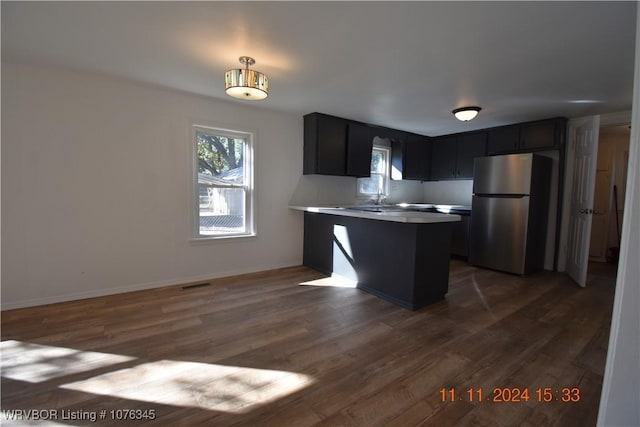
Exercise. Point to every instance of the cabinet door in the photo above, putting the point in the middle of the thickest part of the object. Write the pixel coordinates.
(460, 237)
(470, 146)
(443, 158)
(503, 140)
(538, 135)
(325, 140)
(416, 158)
(359, 148)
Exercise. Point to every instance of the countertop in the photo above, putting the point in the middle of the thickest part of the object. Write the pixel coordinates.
(386, 213)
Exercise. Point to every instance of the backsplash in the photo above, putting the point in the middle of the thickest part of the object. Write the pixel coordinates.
(324, 190)
(448, 192)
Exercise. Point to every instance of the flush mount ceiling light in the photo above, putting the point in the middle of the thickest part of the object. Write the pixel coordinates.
(465, 114)
(244, 83)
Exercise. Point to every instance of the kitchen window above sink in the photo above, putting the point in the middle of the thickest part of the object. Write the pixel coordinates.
(376, 186)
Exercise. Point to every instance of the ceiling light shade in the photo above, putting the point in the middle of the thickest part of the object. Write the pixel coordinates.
(465, 114)
(244, 83)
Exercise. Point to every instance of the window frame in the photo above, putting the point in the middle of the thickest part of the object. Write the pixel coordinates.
(386, 176)
(248, 186)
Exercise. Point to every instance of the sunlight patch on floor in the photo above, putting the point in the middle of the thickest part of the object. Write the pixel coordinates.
(35, 363)
(334, 281)
(192, 384)
(233, 389)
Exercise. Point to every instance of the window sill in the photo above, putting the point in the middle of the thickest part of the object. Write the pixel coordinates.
(211, 239)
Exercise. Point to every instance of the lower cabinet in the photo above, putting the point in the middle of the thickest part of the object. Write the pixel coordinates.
(406, 264)
(460, 237)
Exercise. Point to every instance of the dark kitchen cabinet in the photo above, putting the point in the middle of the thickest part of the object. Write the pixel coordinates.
(527, 137)
(416, 158)
(443, 157)
(325, 145)
(539, 135)
(504, 139)
(336, 146)
(452, 156)
(359, 148)
(460, 237)
(470, 146)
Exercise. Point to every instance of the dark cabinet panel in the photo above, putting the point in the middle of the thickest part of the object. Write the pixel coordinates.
(538, 135)
(443, 157)
(527, 137)
(452, 156)
(416, 158)
(359, 147)
(336, 146)
(460, 237)
(503, 140)
(470, 146)
(413, 274)
(325, 142)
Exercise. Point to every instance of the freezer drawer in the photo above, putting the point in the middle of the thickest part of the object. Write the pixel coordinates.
(499, 233)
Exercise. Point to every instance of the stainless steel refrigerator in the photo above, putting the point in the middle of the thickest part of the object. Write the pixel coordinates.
(509, 212)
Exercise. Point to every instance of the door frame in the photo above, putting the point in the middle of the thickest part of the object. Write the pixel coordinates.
(620, 118)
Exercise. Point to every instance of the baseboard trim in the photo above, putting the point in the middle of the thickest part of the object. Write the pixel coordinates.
(74, 296)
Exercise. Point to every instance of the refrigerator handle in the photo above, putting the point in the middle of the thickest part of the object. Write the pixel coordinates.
(501, 196)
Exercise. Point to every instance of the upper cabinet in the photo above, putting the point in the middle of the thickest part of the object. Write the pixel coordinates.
(452, 155)
(443, 157)
(336, 146)
(527, 137)
(359, 147)
(416, 153)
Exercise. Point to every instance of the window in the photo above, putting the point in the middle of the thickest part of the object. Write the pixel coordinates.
(377, 185)
(224, 183)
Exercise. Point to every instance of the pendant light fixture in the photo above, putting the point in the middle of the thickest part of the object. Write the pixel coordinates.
(243, 83)
(465, 114)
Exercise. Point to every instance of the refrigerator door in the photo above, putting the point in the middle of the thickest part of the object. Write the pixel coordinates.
(499, 233)
(510, 174)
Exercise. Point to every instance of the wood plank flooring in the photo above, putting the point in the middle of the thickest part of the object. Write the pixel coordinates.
(272, 349)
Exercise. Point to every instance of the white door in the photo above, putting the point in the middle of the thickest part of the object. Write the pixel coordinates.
(581, 206)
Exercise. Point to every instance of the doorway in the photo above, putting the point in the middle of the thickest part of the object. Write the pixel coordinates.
(580, 182)
(610, 186)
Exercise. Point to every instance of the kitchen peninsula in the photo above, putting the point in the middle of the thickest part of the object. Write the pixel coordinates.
(399, 255)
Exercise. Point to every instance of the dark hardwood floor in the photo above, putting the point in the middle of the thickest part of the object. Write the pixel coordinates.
(275, 348)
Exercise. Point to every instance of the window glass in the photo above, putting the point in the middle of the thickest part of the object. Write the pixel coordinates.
(377, 185)
(223, 183)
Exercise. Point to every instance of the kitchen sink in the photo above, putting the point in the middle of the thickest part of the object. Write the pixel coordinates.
(377, 208)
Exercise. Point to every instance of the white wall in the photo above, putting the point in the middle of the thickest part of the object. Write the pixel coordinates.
(96, 184)
(621, 384)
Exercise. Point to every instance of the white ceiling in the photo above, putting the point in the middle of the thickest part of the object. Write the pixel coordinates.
(403, 65)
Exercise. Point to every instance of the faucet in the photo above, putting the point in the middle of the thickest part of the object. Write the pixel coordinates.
(380, 198)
